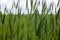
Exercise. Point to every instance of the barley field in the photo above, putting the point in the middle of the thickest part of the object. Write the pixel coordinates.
(30, 26)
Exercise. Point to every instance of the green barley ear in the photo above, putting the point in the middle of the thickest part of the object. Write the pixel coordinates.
(0, 16)
(40, 26)
(58, 3)
(26, 3)
(19, 13)
(27, 6)
(44, 6)
(57, 14)
(35, 4)
(3, 19)
(36, 12)
(31, 4)
(39, 2)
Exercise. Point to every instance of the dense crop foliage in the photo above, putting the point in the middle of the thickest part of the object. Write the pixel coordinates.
(31, 26)
(13, 27)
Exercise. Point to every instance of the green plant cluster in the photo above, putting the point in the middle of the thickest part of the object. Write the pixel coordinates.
(30, 26)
